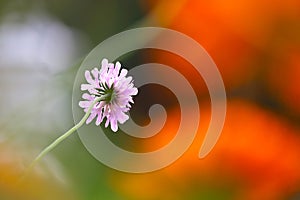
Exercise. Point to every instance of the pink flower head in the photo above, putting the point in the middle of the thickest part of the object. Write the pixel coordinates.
(118, 88)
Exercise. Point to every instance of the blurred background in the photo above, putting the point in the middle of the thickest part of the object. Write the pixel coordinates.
(256, 46)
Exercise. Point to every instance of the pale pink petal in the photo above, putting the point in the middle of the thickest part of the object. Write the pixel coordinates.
(88, 77)
(87, 96)
(117, 69)
(91, 117)
(107, 122)
(95, 73)
(122, 117)
(113, 125)
(123, 73)
(104, 62)
(86, 86)
(84, 104)
(100, 105)
(110, 82)
(133, 91)
(99, 119)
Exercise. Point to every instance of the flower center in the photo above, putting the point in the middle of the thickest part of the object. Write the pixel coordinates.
(110, 95)
(109, 92)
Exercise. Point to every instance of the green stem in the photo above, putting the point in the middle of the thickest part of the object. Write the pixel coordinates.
(65, 135)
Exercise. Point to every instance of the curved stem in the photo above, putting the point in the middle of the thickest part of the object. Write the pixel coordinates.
(65, 135)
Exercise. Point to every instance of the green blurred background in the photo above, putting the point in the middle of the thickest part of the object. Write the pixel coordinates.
(255, 44)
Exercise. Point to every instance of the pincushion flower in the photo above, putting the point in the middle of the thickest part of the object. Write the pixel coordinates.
(109, 95)
(111, 83)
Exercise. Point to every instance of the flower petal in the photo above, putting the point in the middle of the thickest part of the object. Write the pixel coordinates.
(86, 86)
(113, 125)
(122, 117)
(87, 96)
(91, 117)
(107, 122)
(84, 104)
(88, 77)
(99, 119)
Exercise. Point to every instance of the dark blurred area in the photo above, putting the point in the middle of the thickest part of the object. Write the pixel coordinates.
(256, 46)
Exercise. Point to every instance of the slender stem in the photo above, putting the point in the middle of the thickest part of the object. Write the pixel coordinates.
(65, 135)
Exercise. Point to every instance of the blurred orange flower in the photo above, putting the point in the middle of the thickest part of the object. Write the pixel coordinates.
(283, 77)
(243, 37)
(257, 157)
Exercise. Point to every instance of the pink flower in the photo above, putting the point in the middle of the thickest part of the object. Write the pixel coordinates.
(118, 88)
